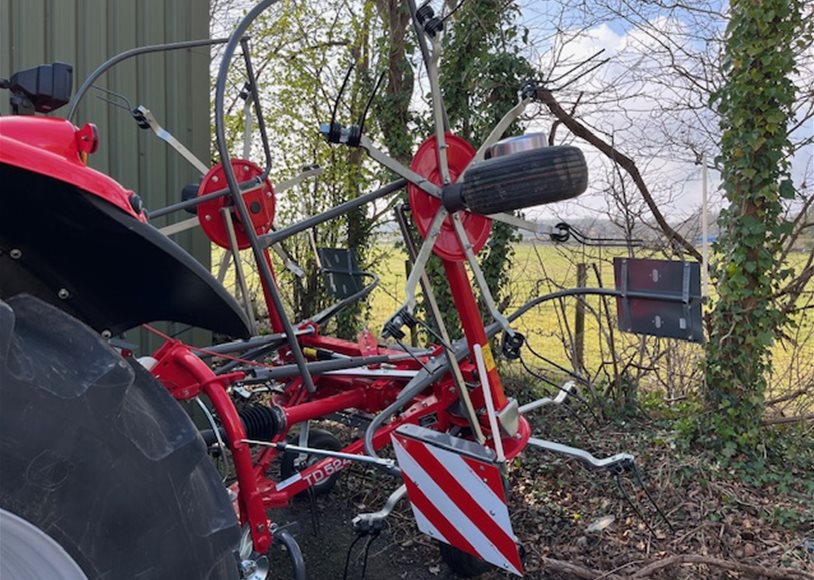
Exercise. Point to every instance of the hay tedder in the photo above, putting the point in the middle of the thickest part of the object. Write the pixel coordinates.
(103, 474)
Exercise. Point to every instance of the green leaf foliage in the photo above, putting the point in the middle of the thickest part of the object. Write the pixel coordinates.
(481, 72)
(755, 106)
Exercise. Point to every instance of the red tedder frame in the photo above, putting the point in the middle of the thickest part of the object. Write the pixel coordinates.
(185, 374)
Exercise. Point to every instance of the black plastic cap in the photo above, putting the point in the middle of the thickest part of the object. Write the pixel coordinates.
(43, 89)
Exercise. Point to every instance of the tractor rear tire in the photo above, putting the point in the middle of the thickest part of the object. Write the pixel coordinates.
(98, 457)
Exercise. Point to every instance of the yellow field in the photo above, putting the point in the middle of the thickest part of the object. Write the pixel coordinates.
(540, 268)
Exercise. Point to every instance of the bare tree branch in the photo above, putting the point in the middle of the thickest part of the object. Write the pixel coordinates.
(580, 130)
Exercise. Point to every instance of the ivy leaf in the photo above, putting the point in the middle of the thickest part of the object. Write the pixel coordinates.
(787, 190)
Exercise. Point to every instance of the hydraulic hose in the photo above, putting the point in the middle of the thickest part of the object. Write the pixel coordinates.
(294, 552)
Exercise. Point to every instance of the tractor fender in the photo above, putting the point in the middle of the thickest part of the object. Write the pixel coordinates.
(55, 148)
(97, 261)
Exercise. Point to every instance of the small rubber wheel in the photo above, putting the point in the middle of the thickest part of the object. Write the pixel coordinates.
(462, 563)
(319, 439)
(102, 471)
(525, 179)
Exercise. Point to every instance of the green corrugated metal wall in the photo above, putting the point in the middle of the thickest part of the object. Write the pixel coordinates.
(174, 85)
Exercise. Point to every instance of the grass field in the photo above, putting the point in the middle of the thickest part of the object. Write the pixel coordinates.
(537, 269)
(540, 268)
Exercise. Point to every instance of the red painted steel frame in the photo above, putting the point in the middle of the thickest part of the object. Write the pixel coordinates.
(275, 496)
(185, 375)
(467, 307)
(179, 367)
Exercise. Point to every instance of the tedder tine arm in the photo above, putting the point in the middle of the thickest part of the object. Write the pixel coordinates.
(619, 462)
(145, 115)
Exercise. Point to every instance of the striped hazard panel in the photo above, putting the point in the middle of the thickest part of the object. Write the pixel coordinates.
(456, 491)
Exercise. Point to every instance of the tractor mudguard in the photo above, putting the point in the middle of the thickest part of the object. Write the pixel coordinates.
(54, 147)
(84, 253)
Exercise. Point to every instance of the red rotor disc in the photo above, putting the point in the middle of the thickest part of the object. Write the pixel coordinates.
(260, 202)
(424, 206)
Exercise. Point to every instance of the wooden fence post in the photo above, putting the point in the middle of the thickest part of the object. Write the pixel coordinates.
(579, 320)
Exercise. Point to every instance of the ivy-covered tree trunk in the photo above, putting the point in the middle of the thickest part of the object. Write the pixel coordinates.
(393, 109)
(755, 107)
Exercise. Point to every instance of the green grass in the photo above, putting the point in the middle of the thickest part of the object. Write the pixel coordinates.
(540, 268)
(537, 270)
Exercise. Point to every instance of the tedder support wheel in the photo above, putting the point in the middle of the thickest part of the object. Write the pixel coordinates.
(320, 439)
(462, 563)
(525, 179)
(100, 469)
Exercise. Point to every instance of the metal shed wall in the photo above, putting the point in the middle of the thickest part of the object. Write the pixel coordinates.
(173, 85)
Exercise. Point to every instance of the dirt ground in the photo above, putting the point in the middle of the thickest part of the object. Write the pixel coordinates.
(575, 523)
(325, 538)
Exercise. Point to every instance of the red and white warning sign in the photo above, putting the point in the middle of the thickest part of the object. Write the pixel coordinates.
(456, 491)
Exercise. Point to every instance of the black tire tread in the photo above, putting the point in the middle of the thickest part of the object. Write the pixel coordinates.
(99, 456)
(320, 439)
(463, 564)
(525, 179)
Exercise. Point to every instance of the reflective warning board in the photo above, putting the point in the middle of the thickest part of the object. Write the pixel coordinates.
(457, 494)
(659, 298)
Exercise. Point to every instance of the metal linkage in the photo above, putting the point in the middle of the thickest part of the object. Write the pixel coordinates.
(237, 198)
(251, 87)
(248, 344)
(352, 365)
(431, 60)
(435, 312)
(144, 115)
(226, 214)
(282, 535)
(369, 522)
(486, 294)
(497, 439)
(420, 264)
(565, 391)
(499, 129)
(111, 62)
(615, 463)
(399, 168)
(387, 464)
(288, 261)
(330, 214)
(244, 187)
(438, 111)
